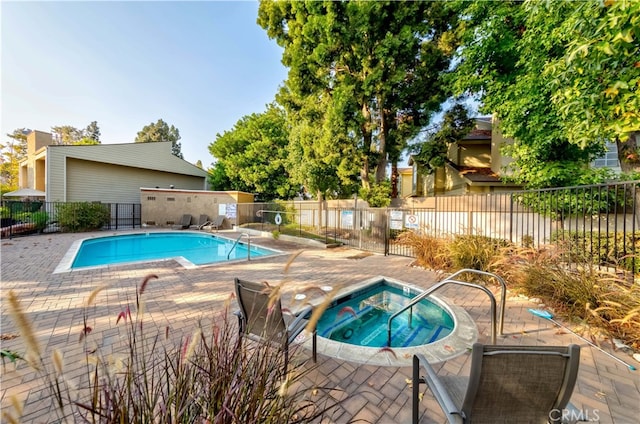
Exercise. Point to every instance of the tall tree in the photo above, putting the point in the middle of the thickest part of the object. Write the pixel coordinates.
(597, 81)
(161, 131)
(92, 131)
(66, 134)
(528, 62)
(253, 154)
(320, 157)
(13, 152)
(70, 135)
(376, 64)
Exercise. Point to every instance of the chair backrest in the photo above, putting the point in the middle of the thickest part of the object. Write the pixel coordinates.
(259, 319)
(218, 221)
(203, 220)
(523, 383)
(186, 220)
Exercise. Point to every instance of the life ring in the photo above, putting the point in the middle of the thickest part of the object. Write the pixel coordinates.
(278, 219)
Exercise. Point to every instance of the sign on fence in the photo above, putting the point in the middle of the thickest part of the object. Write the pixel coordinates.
(411, 221)
(395, 225)
(347, 219)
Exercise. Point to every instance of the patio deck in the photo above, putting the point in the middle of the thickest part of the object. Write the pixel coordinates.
(606, 390)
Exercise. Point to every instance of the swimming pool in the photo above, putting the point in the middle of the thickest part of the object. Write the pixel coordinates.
(191, 249)
(459, 331)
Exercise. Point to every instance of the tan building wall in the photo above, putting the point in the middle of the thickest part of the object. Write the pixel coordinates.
(32, 169)
(405, 186)
(499, 162)
(165, 207)
(103, 182)
(110, 173)
(474, 154)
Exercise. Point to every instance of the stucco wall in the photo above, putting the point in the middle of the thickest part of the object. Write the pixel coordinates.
(165, 207)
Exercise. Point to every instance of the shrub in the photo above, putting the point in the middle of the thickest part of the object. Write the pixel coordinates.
(580, 292)
(475, 252)
(430, 252)
(612, 249)
(40, 219)
(378, 196)
(83, 216)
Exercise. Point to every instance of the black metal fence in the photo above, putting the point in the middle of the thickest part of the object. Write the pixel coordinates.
(597, 222)
(29, 217)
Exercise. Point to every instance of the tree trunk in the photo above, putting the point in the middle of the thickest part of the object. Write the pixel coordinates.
(394, 180)
(628, 154)
(381, 170)
(320, 211)
(629, 158)
(367, 140)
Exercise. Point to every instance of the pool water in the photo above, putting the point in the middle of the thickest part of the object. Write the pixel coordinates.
(362, 320)
(198, 249)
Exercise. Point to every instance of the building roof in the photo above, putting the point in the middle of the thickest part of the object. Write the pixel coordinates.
(478, 134)
(475, 174)
(155, 156)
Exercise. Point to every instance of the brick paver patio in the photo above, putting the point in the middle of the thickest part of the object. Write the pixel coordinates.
(607, 391)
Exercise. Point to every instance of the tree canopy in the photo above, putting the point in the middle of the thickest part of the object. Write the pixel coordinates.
(365, 80)
(375, 66)
(70, 135)
(161, 131)
(251, 157)
(92, 131)
(527, 63)
(13, 152)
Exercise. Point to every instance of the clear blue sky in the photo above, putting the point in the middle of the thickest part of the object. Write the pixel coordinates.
(200, 66)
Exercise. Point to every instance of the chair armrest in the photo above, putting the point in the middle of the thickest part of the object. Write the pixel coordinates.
(439, 391)
(300, 316)
(238, 313)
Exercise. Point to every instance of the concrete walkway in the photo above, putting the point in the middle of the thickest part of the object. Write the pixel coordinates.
(607, 391)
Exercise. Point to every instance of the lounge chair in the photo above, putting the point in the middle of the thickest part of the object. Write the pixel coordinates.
(507, 384)
(217, 223)
(184, 223)
(256, 323)
(202, 221)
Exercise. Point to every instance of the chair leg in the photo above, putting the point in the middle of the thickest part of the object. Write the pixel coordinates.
(314, 343)
(415, 391)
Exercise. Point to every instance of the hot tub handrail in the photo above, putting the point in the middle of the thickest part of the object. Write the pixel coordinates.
(432, 289)
(248, 245)
(503, 292)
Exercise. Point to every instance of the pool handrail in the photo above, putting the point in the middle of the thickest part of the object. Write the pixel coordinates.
(436, 287)
(236, 243)
(503, 292)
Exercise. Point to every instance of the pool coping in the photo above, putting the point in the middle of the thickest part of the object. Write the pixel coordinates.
(66, 262)
(459, 341)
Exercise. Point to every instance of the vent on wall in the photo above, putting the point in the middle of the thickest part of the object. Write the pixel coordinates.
(188, 199)
(153, 198)
(171, 199)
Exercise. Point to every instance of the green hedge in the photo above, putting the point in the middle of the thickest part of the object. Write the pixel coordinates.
(85, 216)
(615, 249)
